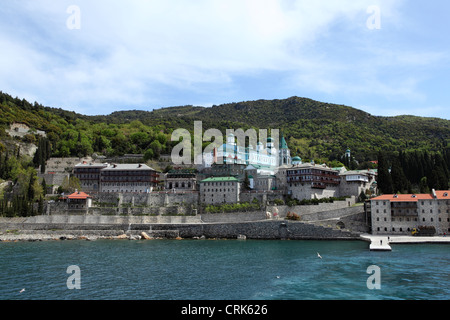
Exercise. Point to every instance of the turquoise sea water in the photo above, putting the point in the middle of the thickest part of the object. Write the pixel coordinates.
(221, 270)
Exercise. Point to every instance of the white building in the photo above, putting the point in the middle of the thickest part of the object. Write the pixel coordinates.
(220, 190)
(311, 181)
(394, 214)
(357, 181)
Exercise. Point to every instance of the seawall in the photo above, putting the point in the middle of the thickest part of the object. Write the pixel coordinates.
(325, 221)
(35, 228)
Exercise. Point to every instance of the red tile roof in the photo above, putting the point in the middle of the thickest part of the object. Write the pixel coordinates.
(413, 197)
(443, 194)
(79, 195)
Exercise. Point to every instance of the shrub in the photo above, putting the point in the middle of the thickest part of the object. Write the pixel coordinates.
(293, 216)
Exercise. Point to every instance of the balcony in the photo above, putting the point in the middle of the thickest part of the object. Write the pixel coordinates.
(316, 185)
(404, 213)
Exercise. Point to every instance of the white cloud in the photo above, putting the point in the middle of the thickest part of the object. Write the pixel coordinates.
(127, 53)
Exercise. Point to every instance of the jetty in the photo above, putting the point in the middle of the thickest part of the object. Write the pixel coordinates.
(383, 242)
(377, 243)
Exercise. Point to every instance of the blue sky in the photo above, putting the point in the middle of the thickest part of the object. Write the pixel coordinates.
(386, 57)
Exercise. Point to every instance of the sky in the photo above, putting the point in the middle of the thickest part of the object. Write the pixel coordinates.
(386, 57)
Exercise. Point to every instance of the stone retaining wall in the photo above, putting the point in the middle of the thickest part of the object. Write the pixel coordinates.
(270, 230)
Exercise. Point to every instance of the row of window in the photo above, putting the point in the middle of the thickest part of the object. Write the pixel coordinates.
(219, 190)
(311, 178)
(126, 178)
(122, 184)
(314, 171)
(178, 185)
(400, 229)
(407, 211)
(399, 204)
(215, 184)
(333, 183)
(129, 173)
(415, 219)
(125, 191)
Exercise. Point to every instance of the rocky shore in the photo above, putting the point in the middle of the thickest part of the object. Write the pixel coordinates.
(14, 236)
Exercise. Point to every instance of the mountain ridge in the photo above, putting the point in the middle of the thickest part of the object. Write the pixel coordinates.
(313, 129)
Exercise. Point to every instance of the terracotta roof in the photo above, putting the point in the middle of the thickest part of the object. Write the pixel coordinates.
(79, 195)
(413, 197)
(443, 194)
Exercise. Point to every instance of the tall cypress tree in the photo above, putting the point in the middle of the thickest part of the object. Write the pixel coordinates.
(384, 177)
(31, 192)
(399, 181)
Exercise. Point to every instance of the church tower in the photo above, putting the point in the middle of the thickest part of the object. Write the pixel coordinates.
(285, 153)
(348, 153)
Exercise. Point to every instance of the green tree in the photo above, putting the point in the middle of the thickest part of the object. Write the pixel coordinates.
(384, 177)
(69, 185)
(156, 147)
(31, 190)
(399, 181)
(149, 155)
(424, 185)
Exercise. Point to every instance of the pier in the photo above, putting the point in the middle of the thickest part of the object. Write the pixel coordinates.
(377, 243)
(383, 242)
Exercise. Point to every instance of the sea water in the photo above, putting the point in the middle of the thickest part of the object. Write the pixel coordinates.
(221, 270)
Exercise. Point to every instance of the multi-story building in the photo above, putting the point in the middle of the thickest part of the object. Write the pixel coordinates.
(124, 178)
(401, 213)
(182, 179)
(357, 181)
(220, 190)
(89, 175)
(307, 181)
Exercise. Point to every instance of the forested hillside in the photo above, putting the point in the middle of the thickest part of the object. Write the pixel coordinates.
(314, 131)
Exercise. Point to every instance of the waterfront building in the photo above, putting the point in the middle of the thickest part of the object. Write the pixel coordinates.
(79, 200)
(399, 214)
(124, 178)
(219, 190)
(309, 181)
(89, 175)
(182, 180)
